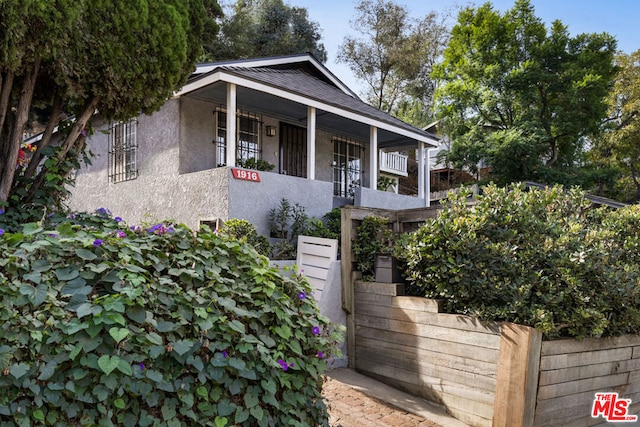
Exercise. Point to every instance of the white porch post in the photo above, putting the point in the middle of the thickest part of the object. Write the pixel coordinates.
(311, 143)
(231, 124)
(427, 178)
(423, 174)
(373, 158)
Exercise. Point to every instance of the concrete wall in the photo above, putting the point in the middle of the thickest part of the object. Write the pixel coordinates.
(366, 197)
(197, 133)
(253, 200)
(154, 194)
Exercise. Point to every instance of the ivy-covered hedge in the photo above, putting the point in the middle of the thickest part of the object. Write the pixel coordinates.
(542, 258)
(106, 325)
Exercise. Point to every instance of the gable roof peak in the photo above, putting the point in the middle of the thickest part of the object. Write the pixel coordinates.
(282, 62)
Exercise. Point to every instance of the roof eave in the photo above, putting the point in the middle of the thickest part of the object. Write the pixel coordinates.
(229, 76)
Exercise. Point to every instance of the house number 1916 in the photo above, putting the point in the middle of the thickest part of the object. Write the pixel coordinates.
(247, 175)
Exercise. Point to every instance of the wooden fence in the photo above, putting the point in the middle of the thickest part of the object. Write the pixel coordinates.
(483, 373)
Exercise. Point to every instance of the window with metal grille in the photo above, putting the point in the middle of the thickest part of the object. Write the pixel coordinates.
(123, 164)
(248, 145)
(347, 166)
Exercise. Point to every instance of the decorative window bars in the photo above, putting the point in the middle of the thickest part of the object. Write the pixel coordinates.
(123, 145)
(248, 145)
(347, 166)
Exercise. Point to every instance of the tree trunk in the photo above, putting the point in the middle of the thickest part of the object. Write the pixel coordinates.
(69, 141)
(54, 119)
(12, 144)
(6, 86)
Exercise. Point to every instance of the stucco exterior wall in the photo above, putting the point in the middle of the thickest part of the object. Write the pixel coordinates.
(197, 133)
(369, 198)
(159, 192)
(253, 200)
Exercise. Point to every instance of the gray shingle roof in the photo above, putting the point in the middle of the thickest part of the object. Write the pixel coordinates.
(301, 82)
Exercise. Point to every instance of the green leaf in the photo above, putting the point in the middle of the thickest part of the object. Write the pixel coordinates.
(125, 367)
(251, 400)
(202, 392)
(31, 228)
(18, 370)
(119, 403)
(48, 370)
(154, 338)
(283, 331)
(237, 326)
(84, 309)
(40, 266)
(257, 412)
(67, 273)
(76, 287)
(74, 353)
(137, 314)
(35, 294)
(226, 408)
(164, 326)
(183, 346)
(118, 334)
(241, 415)
(108, 363)
(85, 254)
(38, 415)
(221, 421)
(239, 364)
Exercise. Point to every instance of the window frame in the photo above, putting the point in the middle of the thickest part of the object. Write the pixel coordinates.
(348, 166)
(248, 136)
(123, 150)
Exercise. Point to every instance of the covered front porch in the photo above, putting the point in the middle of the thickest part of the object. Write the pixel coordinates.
(303, 127)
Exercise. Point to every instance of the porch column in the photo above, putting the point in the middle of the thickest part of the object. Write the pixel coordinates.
(231, 124)
(311, 143)
(373, 158)
(427, 177)
(423, 189)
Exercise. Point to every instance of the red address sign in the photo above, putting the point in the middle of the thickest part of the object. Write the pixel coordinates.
(246, 175)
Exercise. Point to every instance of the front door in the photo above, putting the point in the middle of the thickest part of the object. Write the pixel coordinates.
(293, 150)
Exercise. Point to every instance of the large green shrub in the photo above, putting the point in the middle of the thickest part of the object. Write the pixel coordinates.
(106, 325)
(543, 258)
(245, 232)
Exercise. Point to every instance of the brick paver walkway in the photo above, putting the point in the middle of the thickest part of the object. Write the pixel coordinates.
(351, 408)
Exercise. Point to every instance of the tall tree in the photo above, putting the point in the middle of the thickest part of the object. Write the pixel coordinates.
(395, 56)
(78, 57)
(258, 28)
(619, 146)
(521, 98)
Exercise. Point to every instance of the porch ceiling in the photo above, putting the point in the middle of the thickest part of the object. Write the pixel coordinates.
(296, 113)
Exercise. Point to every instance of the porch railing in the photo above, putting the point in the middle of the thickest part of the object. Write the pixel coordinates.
(394, 163)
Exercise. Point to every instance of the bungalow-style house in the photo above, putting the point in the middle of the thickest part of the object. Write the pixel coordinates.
(242, 135)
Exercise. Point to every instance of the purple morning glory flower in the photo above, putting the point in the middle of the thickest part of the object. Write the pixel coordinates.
(117, 219)
(302, 295)
(320, 355)
(315, 330)
(283, 365)
(97, 242)
(1, 211)
(52, 235)
(157, 227)
(120, 233)
(1, 231)
(83, 132)
(103, 211)
(224, 353)
(141, 366)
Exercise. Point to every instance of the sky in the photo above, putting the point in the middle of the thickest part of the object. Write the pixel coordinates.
(619, 18)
